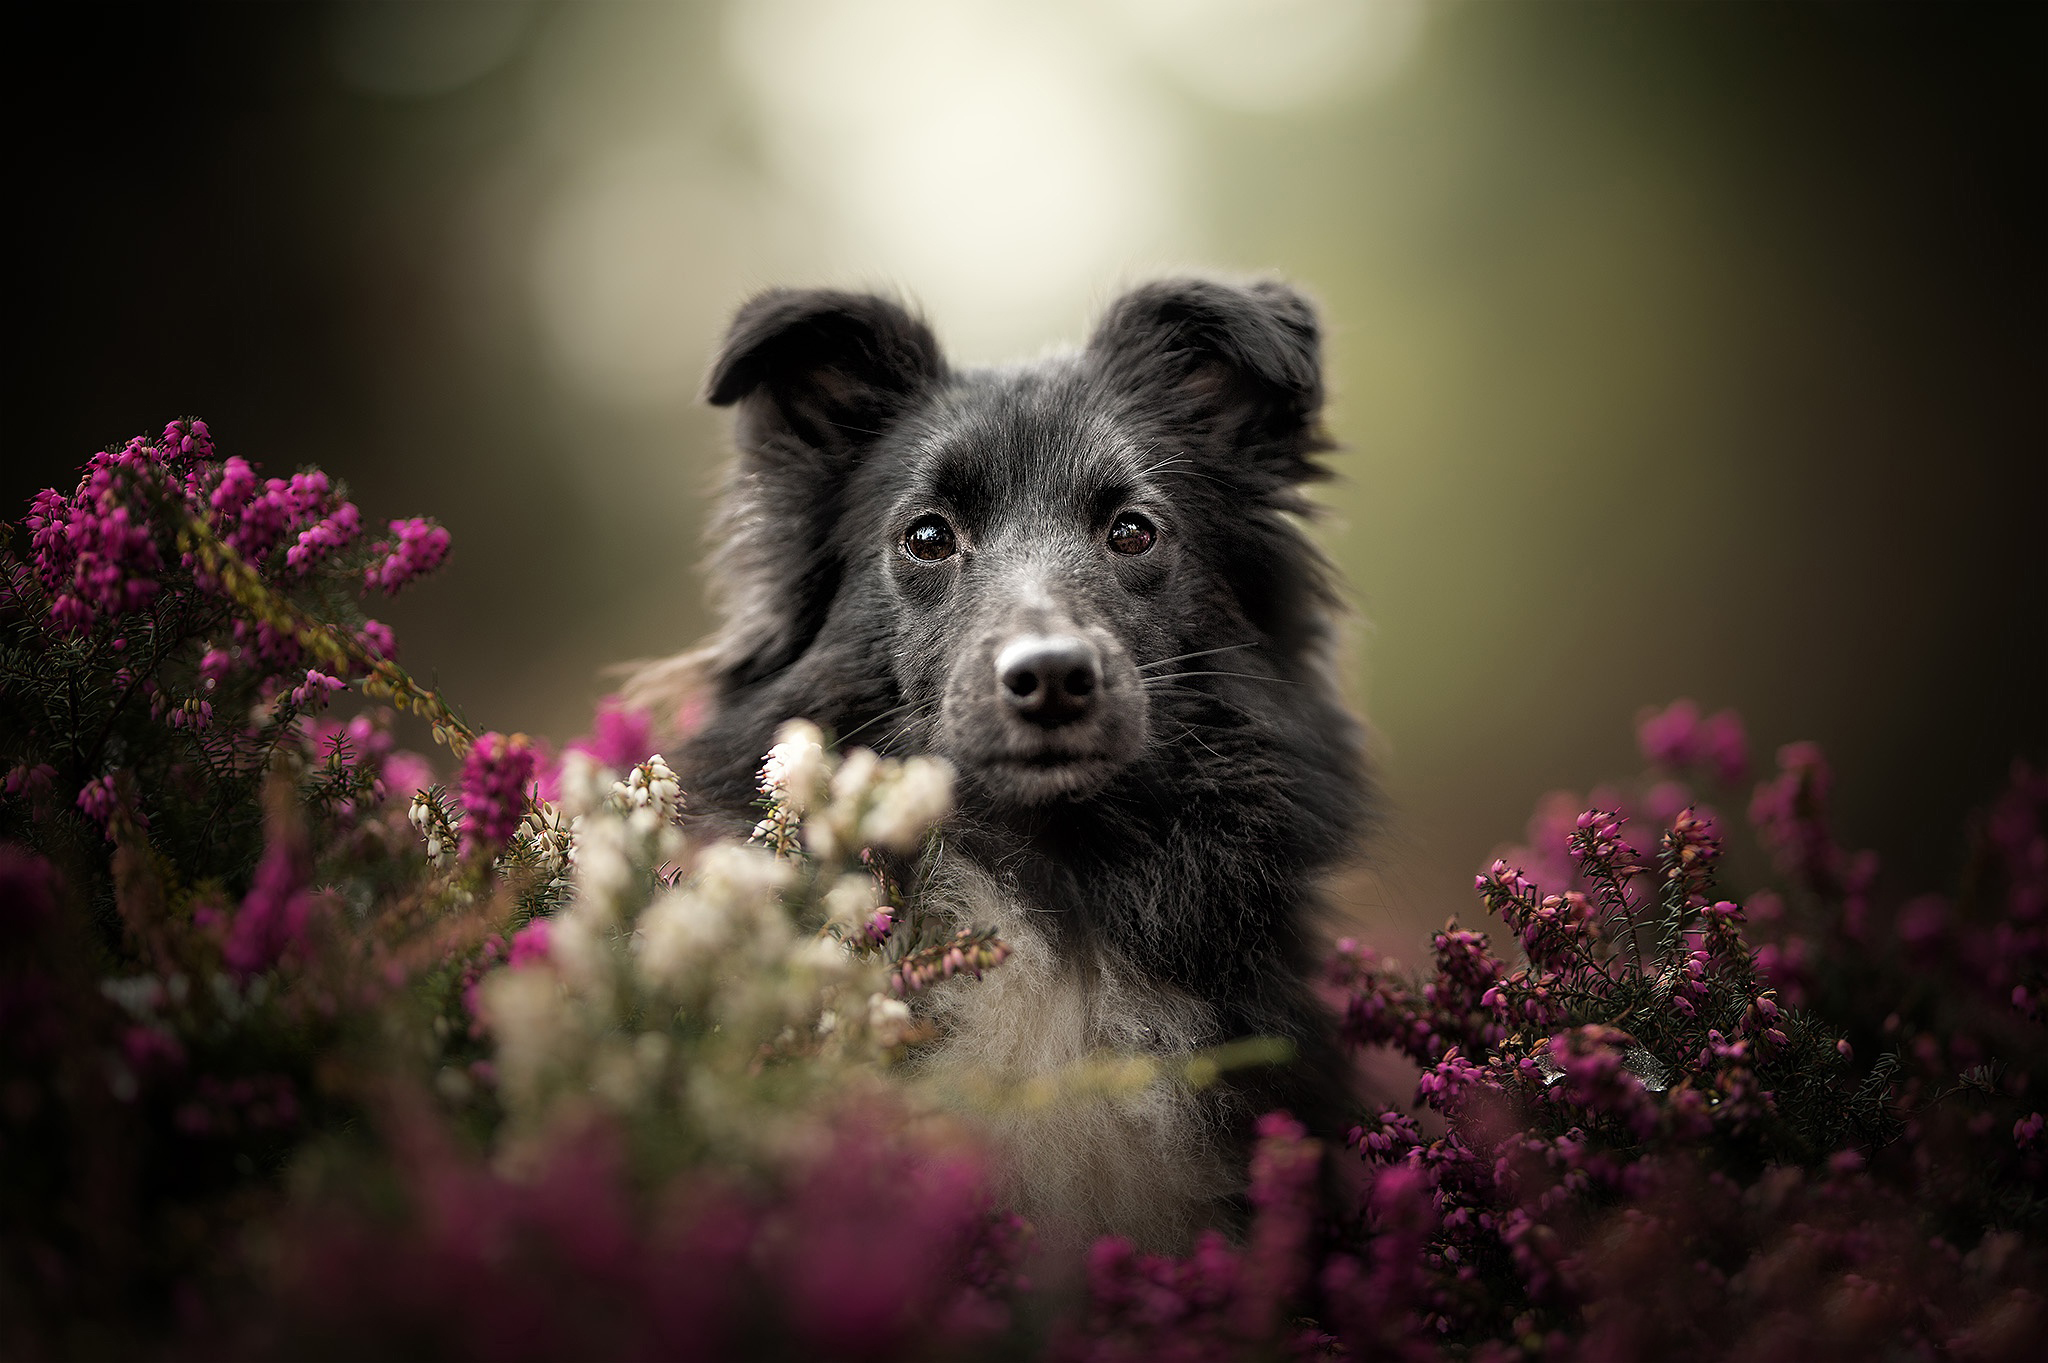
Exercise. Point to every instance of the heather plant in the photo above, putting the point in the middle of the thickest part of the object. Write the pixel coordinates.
(314, 1049)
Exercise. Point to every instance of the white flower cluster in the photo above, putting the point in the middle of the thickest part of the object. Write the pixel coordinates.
(430, 817)
(546, 831)
(873, 801)
(698, 944)
(651, 785)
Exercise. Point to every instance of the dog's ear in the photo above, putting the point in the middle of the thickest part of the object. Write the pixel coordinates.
(817, 375)
(820, 369)
(1236, 368)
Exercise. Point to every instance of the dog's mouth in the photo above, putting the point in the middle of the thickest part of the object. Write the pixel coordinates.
(1037, 778)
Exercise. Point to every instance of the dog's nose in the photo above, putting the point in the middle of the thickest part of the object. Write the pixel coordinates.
(1049, 680)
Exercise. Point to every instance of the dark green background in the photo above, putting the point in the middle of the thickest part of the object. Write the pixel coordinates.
(1677, 349)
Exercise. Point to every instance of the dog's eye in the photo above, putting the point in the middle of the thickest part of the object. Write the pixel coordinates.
(1131, 533)
(930, 539)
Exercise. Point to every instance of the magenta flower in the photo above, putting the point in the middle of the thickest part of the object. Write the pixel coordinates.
(99, 799)
(421, 547)
(530, 944)
(620, 736)
(312, 693)
(275, 913)
(377, 637)
(1671, 737)
(495, 776)
(238, 483)
(323, 537)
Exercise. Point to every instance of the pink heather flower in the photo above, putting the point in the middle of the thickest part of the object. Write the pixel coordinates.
(31, 782)
(421, 547)
(277, 650)
(530, 944)
(274, 915)
(99, 799)
(2027, 1130)
(1670, 737)
(323, 537)
(1725, 747)
(1676, 737)
(312, 693)
(187, 438)
(877, 929)
(214, 665)
(406, 772)
(238, 483)
(280, 508)
(1445, 1085)
(377, 637)
(620, 736)
(1282, 1192)
(193, 714)
(91, 550)
(495, 775)
(48, 512)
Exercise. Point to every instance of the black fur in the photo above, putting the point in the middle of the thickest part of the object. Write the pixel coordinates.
(1184, 820)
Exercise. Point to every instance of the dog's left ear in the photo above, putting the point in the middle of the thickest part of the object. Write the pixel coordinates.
(1237, 368)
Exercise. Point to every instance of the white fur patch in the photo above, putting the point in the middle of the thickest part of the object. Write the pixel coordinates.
(1147, 1164)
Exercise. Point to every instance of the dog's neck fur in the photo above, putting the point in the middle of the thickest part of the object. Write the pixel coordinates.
(1154, 1163)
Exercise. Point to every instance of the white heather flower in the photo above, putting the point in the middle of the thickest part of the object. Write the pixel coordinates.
(651, 786)
(851, 903)
(831, 832)
(579, 945)
(797, 766)
(604, 865)
(744, 880)
(826, 956)
(680, 935)
(888, 1020)
(551, 836)
(525, 1010)
(616, 1078)
(433, 825)
(920, 794)
(856, 776)
(584, 783)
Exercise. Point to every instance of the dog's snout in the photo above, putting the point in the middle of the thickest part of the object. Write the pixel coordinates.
(1049, 680)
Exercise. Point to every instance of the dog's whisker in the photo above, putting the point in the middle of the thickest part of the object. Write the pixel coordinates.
(1198, 653)
(892, 710)
(1247, 676)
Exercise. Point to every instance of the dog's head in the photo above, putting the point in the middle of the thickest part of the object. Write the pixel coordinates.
(1024, 570)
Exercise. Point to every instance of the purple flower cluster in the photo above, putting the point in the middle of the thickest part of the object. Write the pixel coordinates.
(1221, 1301)
(495, 775)
(1678, 738)
(96, 551)
(279, 907)
(882, 1248)
(421, 546)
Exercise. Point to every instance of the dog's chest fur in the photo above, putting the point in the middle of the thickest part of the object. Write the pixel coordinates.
(1081, 1150)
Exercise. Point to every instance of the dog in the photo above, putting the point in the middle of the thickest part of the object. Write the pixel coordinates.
(1082, 581)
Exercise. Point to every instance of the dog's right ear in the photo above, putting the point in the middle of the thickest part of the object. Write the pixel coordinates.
(820, 369)
(817, 375)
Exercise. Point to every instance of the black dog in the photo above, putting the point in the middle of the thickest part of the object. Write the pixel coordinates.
(1079, 580)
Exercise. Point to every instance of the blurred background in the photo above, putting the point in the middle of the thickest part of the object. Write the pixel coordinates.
(1677, 349)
